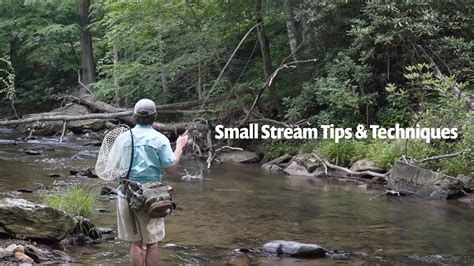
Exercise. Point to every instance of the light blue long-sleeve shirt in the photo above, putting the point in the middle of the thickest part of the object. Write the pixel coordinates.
(152, 153)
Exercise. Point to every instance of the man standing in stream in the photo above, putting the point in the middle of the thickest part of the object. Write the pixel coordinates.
(152, 155)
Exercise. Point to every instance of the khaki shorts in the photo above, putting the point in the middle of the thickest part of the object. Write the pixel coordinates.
(149, 230)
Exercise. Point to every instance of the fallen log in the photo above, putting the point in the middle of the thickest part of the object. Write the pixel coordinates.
(101, 106)
(353, 173)
(65, 118)
(98, 105)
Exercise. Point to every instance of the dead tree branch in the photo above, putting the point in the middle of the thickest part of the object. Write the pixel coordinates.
(269, 81)
(454, 89)
(440, 157)
(353, 173)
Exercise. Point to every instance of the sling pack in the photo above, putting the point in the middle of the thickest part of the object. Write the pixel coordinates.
(153, 198)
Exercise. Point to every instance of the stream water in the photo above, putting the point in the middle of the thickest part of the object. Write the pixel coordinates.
(242, 206)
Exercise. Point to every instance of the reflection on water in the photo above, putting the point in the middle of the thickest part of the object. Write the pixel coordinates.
(244, 207)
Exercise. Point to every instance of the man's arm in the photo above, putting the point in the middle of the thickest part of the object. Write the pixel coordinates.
(180, 143)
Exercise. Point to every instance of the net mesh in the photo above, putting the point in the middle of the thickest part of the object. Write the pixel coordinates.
(115, 154)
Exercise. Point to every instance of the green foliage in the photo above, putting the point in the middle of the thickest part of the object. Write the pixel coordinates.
(309, 146)
(7, 79)
(343, 153)
(377, 63)
(165, 49)
(74, 200)
(276, 148)
(384, 153)
(456, 166)
(42, 41)
(430, 101)
(335, 99)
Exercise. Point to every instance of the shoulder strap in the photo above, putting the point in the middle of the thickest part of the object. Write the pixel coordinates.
(131, 159)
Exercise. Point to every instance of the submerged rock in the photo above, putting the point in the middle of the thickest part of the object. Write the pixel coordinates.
(412, 178)
(238, 157)
(33, 151)
(469, 200)
(295, 169)
(20, 218)
(90, 173)
(192, 177)
(23, 258)
(338, 255)
(108, 190)
(105, 230)
(8, 251)
(32, 254)
(272, 168)
(86, 227)
(7, 142)
(295, 249)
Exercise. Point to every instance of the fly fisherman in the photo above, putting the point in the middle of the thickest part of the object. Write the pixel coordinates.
(152, 155)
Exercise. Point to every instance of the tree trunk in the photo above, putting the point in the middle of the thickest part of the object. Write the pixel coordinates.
(274, 102)
(291, 28)
(199, 82)
(164, 82)
(116, 82)
(87, 57)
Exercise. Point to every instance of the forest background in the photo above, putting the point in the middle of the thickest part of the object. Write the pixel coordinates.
(347, 62)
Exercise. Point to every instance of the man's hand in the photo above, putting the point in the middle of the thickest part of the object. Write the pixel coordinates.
(180, 143)
(182, 140)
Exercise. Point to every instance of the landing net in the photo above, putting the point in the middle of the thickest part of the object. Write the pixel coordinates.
(115, 154)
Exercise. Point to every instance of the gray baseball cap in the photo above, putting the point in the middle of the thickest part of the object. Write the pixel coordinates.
(144, 107)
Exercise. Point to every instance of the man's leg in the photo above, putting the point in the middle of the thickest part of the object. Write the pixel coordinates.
(136, 256)
(152, 254)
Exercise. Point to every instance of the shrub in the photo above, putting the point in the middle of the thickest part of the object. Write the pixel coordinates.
(74, 200)
(384, 153)
(276, 148)
(456, 166)
(343, 153)
(309, 147)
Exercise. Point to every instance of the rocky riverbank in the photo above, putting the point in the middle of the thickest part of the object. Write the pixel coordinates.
(36, 233)
(404, 178)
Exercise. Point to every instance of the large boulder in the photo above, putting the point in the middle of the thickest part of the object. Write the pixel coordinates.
(239, 157)
(295, 249)
(309, 161)
(275, 164)
(412, 178)
(23, 219)
(365, 165)
(468, 181)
